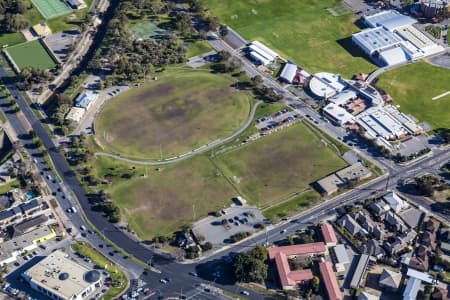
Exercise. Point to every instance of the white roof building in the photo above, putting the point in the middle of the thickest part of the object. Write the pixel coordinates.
(420, 275)
(380, 123)
(412, 289)
(289, 72)
(394, 56)
(375, 39)
(338, 114)
(343, 97)
(389, 19)
(62, 279)
(75, 114)
(265, 49)
(395, 202)
(85, 99)
(341, 254)
(259, 58)
(261, 52)
(326, 85)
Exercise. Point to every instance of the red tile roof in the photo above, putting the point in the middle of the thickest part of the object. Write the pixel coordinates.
(329, 279)
(304, 249)
(328, 234)
(288, 277)
(281, 254)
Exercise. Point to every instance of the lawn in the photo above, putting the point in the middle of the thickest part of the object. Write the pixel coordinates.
(172, 197)
(302, 31)
(172, 116)
(116, 273)
(11, 39)
(6, 187)
(292, 206)
(275, 167)
(31, 54)
(413, 87)
(197, 48)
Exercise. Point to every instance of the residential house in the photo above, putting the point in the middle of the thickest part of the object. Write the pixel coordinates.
(393, 247)
(378, 208)
(396, 203)
(369, 225)
(350, 225)
(373, 248)
(429, 240)
(394, 223)
(390, 280)
(329, 236)
(445, 247)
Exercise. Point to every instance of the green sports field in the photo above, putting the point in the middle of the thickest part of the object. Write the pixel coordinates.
(413, 87)
(31, 54)
(302, 31)
(174, 196)
(272, 168)
(50, 9)
(172, 116)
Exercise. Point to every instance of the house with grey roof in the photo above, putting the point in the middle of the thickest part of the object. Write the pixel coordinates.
(390, 280)
(350, 225)
(373, 248)
(445, 247)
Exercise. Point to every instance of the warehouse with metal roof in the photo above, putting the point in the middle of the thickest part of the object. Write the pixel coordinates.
(388, 19)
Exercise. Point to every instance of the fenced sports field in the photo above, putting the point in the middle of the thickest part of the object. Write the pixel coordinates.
(50, 9)
(31, 54)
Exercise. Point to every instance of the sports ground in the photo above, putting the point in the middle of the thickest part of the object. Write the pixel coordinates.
(31, 54)
(50, 9)
(414, 86)
(302, 31)
(266, 172)
(172, 116)
(277, 166)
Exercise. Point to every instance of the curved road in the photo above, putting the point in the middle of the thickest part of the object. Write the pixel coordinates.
(194, 152)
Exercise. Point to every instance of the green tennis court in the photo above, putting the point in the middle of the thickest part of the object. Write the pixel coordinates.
(31, 54)
(50, 9)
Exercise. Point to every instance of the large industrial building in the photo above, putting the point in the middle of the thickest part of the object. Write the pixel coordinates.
(61, 278)
(392, 39)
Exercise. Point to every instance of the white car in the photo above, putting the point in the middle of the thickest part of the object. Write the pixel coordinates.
(245, 293)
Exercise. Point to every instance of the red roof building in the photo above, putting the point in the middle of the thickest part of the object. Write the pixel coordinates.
(330, 282)
(329, 236)
(289, 279)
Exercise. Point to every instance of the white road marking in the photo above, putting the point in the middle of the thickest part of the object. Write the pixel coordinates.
(441, 95)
